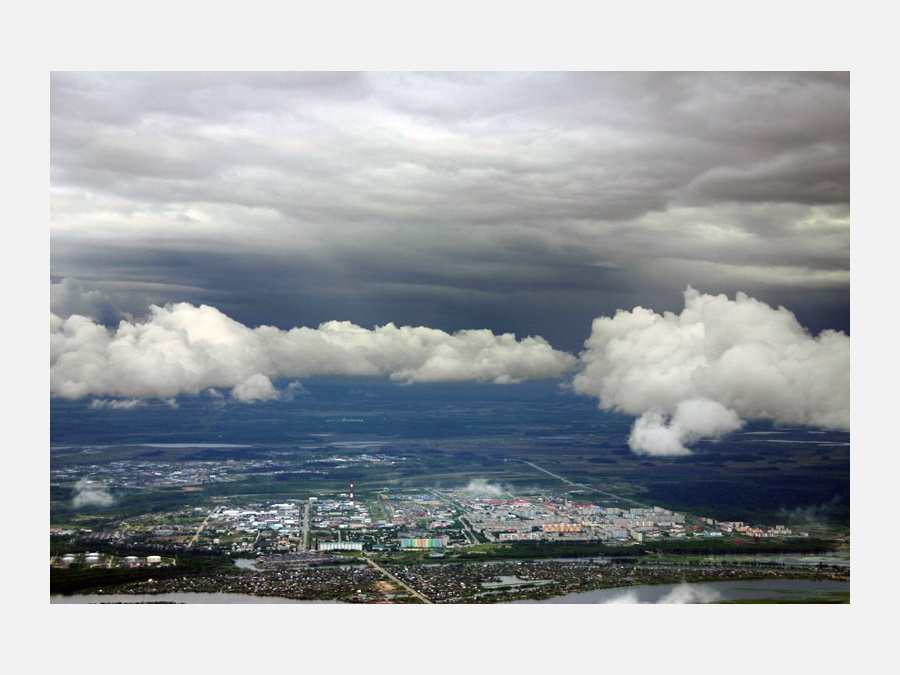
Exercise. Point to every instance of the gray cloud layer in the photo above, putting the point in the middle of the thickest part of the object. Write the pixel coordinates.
(230, 208)
(533, 201)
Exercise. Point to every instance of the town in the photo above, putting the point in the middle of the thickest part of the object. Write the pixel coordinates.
(279, 524)
(343, 549)
(435, 520)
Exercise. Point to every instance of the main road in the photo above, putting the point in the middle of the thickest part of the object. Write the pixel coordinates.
(304, 529)
(396, 580)
(468, 533)
(200, 529)
(582, 485)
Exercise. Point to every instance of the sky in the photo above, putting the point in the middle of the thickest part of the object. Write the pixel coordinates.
(115, 248)
(676, 244)
(697, 165)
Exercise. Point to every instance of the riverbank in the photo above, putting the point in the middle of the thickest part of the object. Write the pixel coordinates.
(782, 591)
(486, 582)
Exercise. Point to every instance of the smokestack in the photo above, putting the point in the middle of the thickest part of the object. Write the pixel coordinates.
(351, 494)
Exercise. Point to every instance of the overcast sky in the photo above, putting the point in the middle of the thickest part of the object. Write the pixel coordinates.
(676, 244)
(601, 196)
(518, 202)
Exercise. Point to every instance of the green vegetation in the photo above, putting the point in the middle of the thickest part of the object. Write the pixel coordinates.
(721, 546)
(75, 579)
(579, 549)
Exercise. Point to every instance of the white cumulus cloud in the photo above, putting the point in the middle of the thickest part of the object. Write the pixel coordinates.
(90, 494)
(257, 387)
(116, 404)
(184, 349)
(683, 594)
(481, 487)
(720, 362)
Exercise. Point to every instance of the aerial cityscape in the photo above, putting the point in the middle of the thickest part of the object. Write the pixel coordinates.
(449, 338)
(372, 492)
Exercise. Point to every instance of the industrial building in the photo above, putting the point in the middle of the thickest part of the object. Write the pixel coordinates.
(339, 546)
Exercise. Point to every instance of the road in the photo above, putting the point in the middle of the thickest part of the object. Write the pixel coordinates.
(689, 519)
(304, 533)
(466, 528)
(583, 485)
(200, 529)
(396, 580)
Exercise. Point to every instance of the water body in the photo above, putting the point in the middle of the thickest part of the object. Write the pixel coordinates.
(188, 445)
(783, 590)
(175, 446)
(839, 559)
(180, 599)
(357, 444)
(512, 582)
(251, 565)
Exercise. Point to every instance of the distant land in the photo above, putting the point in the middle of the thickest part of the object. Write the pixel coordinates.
(128, 483)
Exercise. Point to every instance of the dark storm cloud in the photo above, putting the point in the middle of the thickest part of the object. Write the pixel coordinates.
(539, 199)
(69, 297)
(554, 299)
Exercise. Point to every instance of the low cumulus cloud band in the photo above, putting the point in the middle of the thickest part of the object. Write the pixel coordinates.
(183, 349)
(698, 374)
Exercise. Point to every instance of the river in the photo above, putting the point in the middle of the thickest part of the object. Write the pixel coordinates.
(180, 599)
(782, 590)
